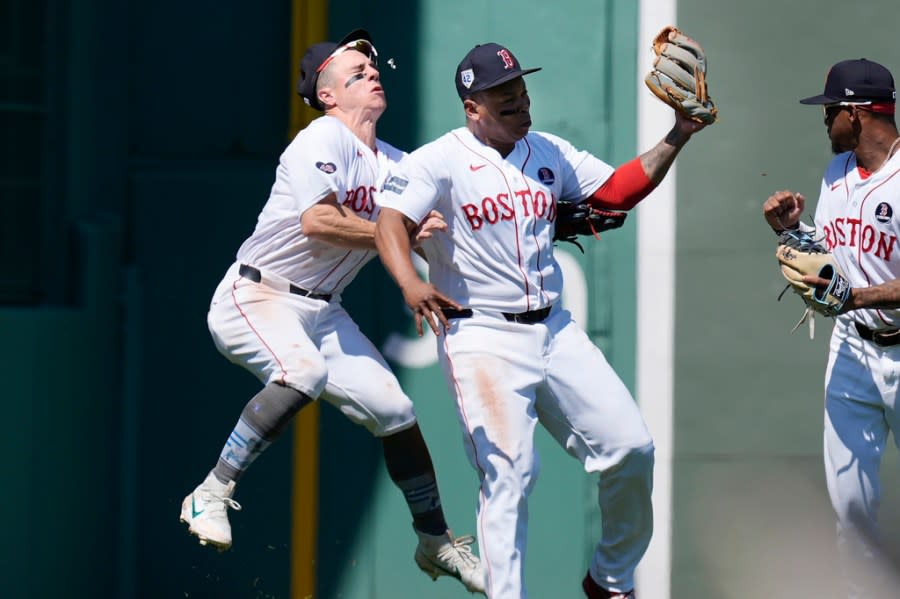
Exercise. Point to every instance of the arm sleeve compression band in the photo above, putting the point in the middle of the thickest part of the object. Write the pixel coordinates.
(627, 186)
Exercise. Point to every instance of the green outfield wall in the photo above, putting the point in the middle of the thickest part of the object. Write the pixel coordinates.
(139, 144)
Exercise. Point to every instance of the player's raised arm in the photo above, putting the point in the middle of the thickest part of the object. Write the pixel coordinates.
(657, 160)
(678, 78)
(393, 231)
(634, 180)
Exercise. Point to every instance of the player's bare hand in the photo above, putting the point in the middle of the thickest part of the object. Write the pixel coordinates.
(820, 283)
(431, 223)
(685, 125)
(783, 209)
(426, 302)
(814, 281)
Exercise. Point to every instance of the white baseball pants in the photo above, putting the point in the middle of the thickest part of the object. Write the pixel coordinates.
(310, 345)
(506, 378)
(861, 385)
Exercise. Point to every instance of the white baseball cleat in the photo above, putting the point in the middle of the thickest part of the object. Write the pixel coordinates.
(443, 555)
(205, 512)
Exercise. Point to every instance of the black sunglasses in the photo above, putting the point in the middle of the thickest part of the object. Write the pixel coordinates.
(829, 111)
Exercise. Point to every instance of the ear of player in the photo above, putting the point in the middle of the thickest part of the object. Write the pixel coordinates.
(678, 76)
(799, 255)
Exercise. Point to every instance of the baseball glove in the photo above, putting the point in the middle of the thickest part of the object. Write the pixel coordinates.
(800, 255)
(678, 77)
(580, 218)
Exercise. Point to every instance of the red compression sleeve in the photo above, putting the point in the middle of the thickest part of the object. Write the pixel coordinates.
(627, 186)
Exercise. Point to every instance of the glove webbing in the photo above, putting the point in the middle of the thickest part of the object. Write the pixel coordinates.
(802, 241)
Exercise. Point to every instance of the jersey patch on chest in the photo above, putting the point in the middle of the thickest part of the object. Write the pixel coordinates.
(546, 176)
(326, 167)
(883, 212)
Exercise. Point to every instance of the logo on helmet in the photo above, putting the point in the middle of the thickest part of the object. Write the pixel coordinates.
(467, 77)
(508, 62)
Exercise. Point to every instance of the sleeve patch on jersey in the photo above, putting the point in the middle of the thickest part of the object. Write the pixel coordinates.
(395, 184)
(326, 167)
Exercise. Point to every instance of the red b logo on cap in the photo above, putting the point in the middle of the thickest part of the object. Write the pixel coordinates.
(507, 59)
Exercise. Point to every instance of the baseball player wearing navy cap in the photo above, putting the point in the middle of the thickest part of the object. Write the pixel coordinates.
(512, 356)
(858, 217)
(277, 311)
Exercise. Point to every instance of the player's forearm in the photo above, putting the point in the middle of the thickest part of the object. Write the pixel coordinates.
(886, 295)
(657, 160)
(392, 238)
(339, 227)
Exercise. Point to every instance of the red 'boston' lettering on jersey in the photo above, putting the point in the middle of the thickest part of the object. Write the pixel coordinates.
(360, 200)
(852, 232)
(491, 211)
(535, 203)
(500, 208)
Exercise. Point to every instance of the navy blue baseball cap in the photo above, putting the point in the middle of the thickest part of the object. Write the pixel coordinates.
(857, 80)
(486, 66)
(319, 55)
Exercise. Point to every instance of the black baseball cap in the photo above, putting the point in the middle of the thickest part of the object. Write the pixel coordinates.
(486, 66)
(318, 55)
(857, 80)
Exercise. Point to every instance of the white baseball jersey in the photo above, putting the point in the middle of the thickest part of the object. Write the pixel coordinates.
(500, 212)
(324, 158)
(309, 344)
(508, 377)
(860, 218)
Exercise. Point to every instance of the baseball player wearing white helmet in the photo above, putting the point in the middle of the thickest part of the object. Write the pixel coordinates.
(858, 215)
(512, 356)
(277, 311)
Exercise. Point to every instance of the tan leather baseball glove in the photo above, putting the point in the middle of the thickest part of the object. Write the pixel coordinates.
(799, 255)
(678, 77)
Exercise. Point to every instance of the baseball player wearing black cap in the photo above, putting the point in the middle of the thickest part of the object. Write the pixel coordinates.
(511, 354)
(858, 215)
(277, 310)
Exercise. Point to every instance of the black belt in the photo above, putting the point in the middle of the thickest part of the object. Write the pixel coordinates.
(530, 317)
(451, 313)
(881, 338)
(253, 274)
